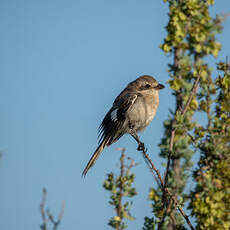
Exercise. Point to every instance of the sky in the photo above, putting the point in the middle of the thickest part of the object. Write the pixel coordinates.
(62, 65)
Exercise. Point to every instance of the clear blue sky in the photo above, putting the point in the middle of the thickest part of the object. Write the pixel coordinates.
(62, 65)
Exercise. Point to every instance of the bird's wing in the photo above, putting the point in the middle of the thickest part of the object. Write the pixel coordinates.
(123, 103)
(110, 129)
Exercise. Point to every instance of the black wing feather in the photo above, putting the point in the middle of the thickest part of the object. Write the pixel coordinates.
(111, 130)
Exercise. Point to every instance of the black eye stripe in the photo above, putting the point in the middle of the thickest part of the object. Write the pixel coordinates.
(147, 86)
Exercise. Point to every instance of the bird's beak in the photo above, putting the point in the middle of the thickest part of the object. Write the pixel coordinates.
(160, 86)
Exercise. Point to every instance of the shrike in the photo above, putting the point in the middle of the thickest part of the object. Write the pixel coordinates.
(133, 110)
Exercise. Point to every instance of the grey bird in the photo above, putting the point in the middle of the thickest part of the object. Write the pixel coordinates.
(133, 110)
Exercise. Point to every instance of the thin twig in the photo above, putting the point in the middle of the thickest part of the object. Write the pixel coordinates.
(173, 129)
(173, 219)
(119, 207)
(46, 215)
(171, 142)
(152, 171)
(42, 210)
(194, 90)
(160, 225)
(178, 107)
(224, 16)
(152, 166)
(58, 221)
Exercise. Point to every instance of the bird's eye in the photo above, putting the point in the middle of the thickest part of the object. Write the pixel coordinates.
(147, 86)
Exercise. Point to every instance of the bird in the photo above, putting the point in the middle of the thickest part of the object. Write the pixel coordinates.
(132, 111)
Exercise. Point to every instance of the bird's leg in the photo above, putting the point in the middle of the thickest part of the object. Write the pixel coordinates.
(141, 145)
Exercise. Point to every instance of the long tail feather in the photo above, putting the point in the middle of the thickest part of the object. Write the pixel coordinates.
(94, 157)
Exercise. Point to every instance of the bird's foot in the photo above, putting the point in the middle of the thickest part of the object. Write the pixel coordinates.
(141, 147)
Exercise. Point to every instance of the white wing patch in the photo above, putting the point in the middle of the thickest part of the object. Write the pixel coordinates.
(134, 99)
(127, 102)
(113, 115)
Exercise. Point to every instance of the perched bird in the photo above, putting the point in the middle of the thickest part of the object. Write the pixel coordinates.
(132, 111)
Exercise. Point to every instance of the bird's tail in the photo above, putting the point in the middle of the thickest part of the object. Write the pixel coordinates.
(94, 157)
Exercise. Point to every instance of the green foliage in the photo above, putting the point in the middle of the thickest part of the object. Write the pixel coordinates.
(211, 198)
(190, 37)
(149, 223)
(191, 28)
(120, 187)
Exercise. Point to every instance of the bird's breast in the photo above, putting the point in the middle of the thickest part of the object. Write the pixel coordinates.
(142, 112)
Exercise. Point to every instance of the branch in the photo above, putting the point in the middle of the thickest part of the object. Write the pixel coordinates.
(153, 168)
(193, 92)
(172, 136)
(58, 221)
(42, 210)
(173, 129)
(119, 208)
(160, 225)
(47, 213)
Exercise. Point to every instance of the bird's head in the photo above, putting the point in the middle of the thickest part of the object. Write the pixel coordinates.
(146, 83)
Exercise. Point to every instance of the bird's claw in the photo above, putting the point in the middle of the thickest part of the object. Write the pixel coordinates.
(141, 147)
